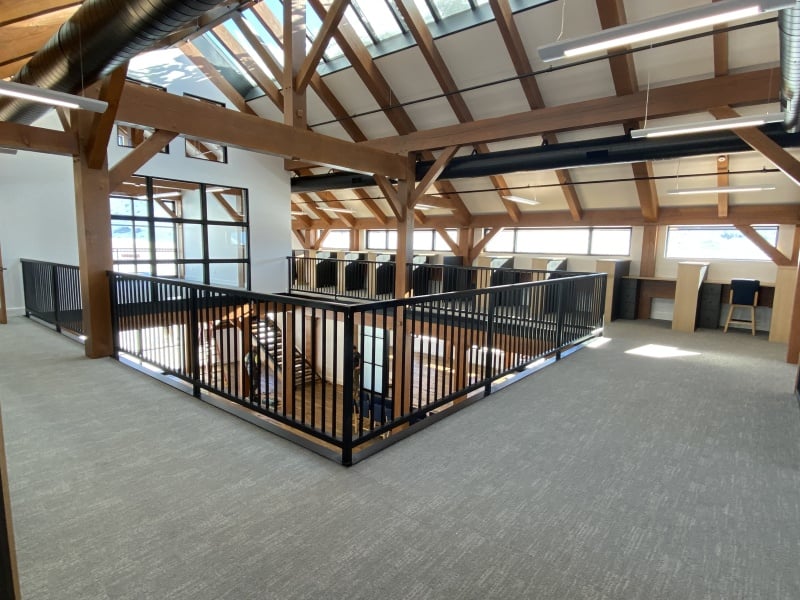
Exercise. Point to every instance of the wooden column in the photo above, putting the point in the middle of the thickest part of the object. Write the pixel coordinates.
(687, 293)
(405, 230)
(9, 577)
(94, 243)
(647, 267)
(403, 343)
(294, 45)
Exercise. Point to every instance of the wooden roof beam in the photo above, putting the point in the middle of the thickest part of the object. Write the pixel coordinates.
(103, 124)
(752, 87)
(149, 107)
(329, 24)
(504, 19)
(246, 61)
(782, 214)
(210, 71)
(37, 139)
(759, 141)
(722, 181)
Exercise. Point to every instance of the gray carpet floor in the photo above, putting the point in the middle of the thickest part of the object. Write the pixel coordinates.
(606, 476)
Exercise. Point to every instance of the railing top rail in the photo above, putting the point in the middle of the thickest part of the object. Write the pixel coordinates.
(435, 265)
(282, 298)
(47, 262)
(445, 296)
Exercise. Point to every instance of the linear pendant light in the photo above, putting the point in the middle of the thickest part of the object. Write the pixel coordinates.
(727, 189)
(520, 200)
(713, 125)
(660, 26)
(51, 97)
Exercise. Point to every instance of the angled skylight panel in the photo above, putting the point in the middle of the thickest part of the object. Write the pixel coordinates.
(234, 30)
(255, 25)
(381, 22)
(355, 22)
(448, 8)
(425, 10)
(225, 63)
(313, 25)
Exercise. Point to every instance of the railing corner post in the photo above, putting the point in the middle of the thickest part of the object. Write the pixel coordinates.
(560, 318)
(56, 297)
(194, 326)
(488, 366)
(112, 289)
(348, 399)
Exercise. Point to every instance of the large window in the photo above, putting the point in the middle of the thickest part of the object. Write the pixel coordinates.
(182, 229)
(718, 242)
(425, 240)
(337, 239)
(598, 241)
(204, 150)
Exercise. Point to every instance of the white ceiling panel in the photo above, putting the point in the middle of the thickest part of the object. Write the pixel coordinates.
(351, 92)
(396, 69)
(496, 100)
(581, 82)
(755, 46)
(476, 56)
(542, 25)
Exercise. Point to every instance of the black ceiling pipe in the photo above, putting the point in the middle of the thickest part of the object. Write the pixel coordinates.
(99, 37)
(603, 151)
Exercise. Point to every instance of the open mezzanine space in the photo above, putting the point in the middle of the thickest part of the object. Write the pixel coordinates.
(658, 464)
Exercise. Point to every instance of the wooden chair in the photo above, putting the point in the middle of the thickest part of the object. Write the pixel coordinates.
(744, 294)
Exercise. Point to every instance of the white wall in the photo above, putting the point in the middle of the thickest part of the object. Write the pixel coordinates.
(37, 200)
(37, 203)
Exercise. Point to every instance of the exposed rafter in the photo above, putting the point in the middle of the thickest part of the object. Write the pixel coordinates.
(623, 72)
(752, 87)
(522, 65)
(757, 140)
(359, 57)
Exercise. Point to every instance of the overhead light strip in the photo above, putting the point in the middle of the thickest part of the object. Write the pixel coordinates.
(660, 26)
(728, 189)
(51, 97)
(520, 200)
(702, 126)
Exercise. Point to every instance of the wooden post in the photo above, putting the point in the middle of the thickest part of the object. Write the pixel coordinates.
(647, 267)
(9, 577)
(94, 244)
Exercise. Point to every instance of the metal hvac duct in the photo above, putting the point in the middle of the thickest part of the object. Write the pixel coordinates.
(603, 151)
(99, 37)
(789, 26)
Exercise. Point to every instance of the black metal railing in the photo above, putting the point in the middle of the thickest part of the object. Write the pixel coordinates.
(341, 378)
(372, 280)
(53, 294)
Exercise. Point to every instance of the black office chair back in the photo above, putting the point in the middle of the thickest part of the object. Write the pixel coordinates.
(744, 291)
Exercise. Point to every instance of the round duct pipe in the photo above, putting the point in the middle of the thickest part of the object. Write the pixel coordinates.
(604, 151)
(99, 37)
(789, 27)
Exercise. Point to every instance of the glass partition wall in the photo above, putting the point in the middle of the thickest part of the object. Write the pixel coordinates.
(192, 231)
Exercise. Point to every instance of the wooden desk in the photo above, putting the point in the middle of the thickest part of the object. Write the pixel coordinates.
(637, 293)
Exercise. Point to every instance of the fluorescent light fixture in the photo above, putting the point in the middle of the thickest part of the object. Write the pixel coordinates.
(51, 97)
(725, 189)
(297, 213)
(660, 26)
(702, 126)
(7, 151)
(337, 210)
(519, 200)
